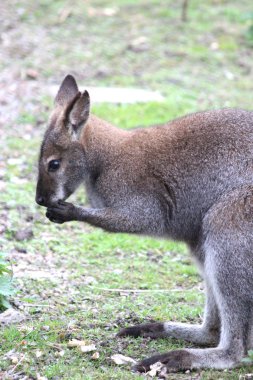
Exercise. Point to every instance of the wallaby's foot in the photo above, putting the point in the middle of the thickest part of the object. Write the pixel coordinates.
(151, 330)
(197, 334)
(181, 360)
(174, 361)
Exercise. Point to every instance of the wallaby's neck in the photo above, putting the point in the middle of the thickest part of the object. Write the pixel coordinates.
(101, 141)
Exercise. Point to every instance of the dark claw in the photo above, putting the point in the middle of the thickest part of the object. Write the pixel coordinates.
(61, 212)
(63, 203)
(50, 216)
(174, 361)
(57, 221)
(144, 365)
(139, 368)
(151, 330)
(59, 206)
(55, 209)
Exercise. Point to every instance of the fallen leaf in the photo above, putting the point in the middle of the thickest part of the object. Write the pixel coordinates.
(95, 356)
(76, 343)
(38, 353)
(14, 360)
(139, 44)
(155, 369)
(65, 13)
(121, 359)
(110, 11)
(60, 353)
(88, 348)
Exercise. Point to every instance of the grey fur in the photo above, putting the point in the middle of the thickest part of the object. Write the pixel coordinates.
(189, 180)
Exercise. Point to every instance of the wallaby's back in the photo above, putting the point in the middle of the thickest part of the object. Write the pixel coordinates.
(188, 164)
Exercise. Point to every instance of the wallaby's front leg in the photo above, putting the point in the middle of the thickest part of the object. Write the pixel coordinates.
(132, 220)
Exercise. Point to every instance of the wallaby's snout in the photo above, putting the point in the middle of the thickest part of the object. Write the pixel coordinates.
(43, 196)
(62, 163)
(40, 198)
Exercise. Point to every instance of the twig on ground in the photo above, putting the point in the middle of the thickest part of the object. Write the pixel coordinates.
(18, 363)
(184, 10)
(35, 305)
(57, 346)
(118, 290)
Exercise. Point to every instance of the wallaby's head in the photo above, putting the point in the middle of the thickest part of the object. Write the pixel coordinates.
(62, 163)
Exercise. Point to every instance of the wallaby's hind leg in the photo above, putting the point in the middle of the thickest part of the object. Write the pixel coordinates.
(234, 314)
(228, 244)
(205, 334)
(250, 333)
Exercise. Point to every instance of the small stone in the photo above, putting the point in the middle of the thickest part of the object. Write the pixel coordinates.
(139, 44)
(88, 348)
(45, 328)
(14, 360)
(38, 353)
(11, 316)
(31, 74)
(24, 234)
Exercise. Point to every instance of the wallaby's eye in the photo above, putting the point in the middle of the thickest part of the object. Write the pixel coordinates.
(53, 165)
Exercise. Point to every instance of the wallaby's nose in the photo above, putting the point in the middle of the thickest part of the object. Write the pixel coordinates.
(40, 200)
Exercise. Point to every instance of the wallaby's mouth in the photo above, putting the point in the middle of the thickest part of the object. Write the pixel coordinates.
(42, 201)
(47, 200)
(55, 201)
(59, 196)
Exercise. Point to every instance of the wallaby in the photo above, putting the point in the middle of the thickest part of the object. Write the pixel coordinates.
(190, 180)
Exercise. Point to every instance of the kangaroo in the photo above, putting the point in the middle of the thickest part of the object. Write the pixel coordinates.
(189, 180)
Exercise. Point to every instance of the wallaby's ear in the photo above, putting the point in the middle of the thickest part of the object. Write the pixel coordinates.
(67, 91)
(78, 113)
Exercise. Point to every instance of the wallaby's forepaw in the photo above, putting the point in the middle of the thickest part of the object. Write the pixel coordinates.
(61, 212)
(151, 330)
(174, 361)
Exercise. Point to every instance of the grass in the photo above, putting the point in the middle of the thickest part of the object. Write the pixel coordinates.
(64, 274)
